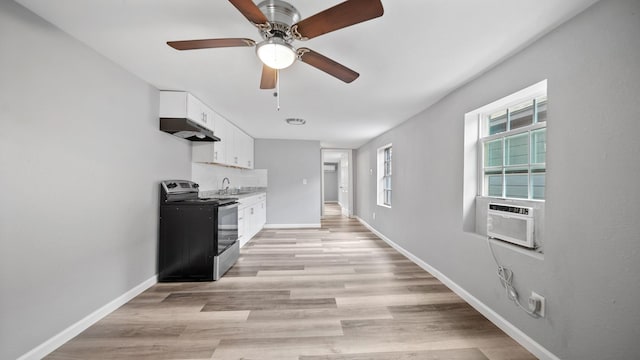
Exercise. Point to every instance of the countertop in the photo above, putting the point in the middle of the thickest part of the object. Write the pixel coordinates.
(240, 195)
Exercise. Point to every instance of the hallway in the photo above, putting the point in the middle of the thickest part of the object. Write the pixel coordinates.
(332, 209)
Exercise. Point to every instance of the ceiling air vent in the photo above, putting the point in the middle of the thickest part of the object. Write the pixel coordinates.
(295, 121)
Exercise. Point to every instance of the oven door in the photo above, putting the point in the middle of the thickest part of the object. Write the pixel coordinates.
(227, 227)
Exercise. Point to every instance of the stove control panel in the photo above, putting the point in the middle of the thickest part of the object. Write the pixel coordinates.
(179, 186)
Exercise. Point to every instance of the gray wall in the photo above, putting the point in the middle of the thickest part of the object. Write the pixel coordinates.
(331, 183)
(80, 160)
(288, 162)
(590, 270)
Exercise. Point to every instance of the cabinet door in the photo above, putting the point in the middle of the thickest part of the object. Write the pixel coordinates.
(250, 215)
(242, 226)
(223, 131)
(250, 147)
(194, 110)
(180, 104)
(208, 117)
(244, 149)
(262, 214)
(233, 157)
(239, 146)
(199, 112)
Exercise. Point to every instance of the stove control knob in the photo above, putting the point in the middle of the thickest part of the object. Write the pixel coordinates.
(171, 185)
(195, 186)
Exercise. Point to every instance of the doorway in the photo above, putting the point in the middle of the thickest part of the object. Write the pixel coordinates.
(337, 182)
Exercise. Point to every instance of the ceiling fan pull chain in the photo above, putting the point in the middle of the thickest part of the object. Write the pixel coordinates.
(278, 90)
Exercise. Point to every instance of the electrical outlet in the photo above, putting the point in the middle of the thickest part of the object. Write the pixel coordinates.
(536, 303)
(374, 216)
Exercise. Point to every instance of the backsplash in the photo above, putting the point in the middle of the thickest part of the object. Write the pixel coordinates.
(210, 176)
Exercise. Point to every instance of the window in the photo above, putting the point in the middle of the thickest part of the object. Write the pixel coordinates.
(505, 157)
(513, 148)
(384, 175)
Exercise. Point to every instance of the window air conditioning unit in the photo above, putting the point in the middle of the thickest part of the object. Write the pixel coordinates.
(511, 223)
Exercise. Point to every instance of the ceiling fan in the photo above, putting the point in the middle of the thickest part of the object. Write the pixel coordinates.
(279, 25)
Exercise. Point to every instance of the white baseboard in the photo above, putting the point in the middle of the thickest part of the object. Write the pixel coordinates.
(292, 226)
(72, 331)
(510, 329)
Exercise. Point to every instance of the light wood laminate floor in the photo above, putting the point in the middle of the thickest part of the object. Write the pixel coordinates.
(333, 293)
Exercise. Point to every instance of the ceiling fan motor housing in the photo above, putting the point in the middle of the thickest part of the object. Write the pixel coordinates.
(281, 16)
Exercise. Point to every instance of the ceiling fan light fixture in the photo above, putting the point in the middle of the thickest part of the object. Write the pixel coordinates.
(276, 53)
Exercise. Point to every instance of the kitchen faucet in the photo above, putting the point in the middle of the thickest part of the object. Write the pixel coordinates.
(226, 189)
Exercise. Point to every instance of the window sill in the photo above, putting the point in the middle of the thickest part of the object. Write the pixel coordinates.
(510, 247)
(383, 205)
(515, 248)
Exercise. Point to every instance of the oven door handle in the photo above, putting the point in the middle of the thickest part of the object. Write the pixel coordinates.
(229, 205)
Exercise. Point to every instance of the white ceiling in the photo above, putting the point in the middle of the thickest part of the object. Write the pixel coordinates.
(412, 56)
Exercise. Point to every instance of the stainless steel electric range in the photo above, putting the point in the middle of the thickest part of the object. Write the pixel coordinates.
(198, 238)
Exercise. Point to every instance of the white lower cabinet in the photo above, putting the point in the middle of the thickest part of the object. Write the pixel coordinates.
(252, 215)
(242, 225)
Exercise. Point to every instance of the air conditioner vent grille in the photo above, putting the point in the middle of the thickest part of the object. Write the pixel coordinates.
(512, 209)
(512, 224)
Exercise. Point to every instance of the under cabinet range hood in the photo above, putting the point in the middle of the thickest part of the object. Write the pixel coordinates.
(187, 129)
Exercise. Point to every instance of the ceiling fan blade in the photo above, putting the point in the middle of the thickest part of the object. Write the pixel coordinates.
(210, 43)
(269, 78)
(327, 65)
(250, 11)
(345, 14)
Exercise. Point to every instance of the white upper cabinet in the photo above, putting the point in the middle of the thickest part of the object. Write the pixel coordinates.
(239, 148)
(222, 148)
(235, 148)
(180, 104)
(244, 149)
